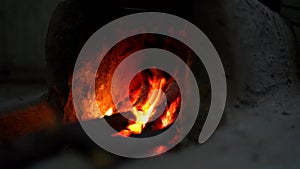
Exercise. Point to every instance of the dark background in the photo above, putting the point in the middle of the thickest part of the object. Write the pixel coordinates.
(23, 28)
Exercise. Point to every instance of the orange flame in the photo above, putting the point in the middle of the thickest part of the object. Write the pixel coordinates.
(145, 112)
(168, 118)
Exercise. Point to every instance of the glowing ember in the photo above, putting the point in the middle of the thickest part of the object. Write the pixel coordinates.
(109, 112)
(146, 110)
(168, 118)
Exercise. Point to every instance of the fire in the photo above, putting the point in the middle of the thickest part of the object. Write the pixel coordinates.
(168, 118)
(153, 100)
(146, 110)
(109, 112)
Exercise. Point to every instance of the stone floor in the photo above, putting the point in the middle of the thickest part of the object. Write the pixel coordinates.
(262, 137)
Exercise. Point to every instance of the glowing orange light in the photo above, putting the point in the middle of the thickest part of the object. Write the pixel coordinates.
(145, 111)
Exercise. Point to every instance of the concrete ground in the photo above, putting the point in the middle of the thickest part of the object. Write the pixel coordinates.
(262, 137)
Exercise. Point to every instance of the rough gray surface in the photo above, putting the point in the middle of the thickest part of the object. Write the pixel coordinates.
(264, 49)
(255, 138)
(290, 10)
(265, 136)
(255, 44)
